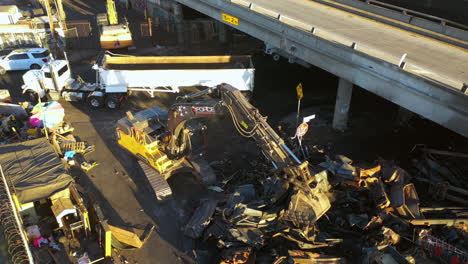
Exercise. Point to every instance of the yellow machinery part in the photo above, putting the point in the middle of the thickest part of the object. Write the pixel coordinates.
(107, 241)
(126, 237)
(136, 144)
(112, 13)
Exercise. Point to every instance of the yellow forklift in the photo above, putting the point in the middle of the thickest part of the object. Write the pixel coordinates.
(114, 35)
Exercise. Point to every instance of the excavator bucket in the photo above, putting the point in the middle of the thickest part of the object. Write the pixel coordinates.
(308, 204)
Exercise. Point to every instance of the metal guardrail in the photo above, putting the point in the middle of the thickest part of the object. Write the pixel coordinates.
(410, 12)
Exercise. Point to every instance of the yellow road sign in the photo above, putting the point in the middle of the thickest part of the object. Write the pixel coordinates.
(230, 19)
(299, 91)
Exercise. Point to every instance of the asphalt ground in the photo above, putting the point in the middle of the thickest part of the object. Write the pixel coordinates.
(120, 188)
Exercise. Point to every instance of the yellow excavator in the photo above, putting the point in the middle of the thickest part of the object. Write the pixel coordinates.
(113, 34)
(162, 141)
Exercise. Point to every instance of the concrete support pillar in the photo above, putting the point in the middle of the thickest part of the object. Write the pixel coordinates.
(343, 101)
(179, 20)
(222, 32)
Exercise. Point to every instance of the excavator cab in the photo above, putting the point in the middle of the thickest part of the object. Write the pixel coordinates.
(143, 135)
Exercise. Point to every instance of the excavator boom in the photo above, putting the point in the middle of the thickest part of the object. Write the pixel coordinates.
(246, 119)
(307, 204)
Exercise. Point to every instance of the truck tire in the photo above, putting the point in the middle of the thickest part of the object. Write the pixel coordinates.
(2, 71)
(35, 66)
(95, 101)
(112, 102)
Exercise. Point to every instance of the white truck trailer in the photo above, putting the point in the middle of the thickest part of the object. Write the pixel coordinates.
(116, 76)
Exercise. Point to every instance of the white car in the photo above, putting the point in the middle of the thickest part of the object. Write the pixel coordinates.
(24, 59)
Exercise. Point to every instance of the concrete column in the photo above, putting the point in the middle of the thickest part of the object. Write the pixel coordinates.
(222, 32)
(179, 20)
(343, 101)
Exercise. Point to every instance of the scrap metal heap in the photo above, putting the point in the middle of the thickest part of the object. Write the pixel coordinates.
(376, 214)
(376, 217)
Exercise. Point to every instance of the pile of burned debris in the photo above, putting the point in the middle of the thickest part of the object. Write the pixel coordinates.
(373, 214)
(24, 121)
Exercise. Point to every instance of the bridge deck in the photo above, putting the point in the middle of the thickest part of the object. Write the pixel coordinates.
(426, 57)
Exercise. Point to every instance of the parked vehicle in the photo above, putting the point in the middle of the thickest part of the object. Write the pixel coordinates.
(117, 76)
(24, 59)
(9, 14)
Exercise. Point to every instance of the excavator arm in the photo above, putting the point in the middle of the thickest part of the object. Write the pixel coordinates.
(307, 204)
(246, 119)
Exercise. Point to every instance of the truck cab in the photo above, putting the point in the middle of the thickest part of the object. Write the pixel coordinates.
(56, 75)
(52, 77)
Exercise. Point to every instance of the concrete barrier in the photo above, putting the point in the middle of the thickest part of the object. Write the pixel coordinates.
(426, 24)
(241, 3)
(264, 11)
(456, 33)
(295, 23)
(425, 27)
(376, 10)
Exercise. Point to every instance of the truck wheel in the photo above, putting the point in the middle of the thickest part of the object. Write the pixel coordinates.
(35, 66)
(2, 71)
(33, 97)
(95, 101)
(112, 102)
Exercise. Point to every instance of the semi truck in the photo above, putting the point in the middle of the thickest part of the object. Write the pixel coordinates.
(117, 76)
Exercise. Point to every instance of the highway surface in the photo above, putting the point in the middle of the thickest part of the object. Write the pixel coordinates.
(426, 57)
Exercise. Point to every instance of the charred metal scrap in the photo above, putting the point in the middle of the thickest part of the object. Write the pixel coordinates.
(250, 216)
(382, 202)
(375, 217)
(242, 255)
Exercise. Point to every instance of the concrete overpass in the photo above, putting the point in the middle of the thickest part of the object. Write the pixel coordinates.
(424, 75)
